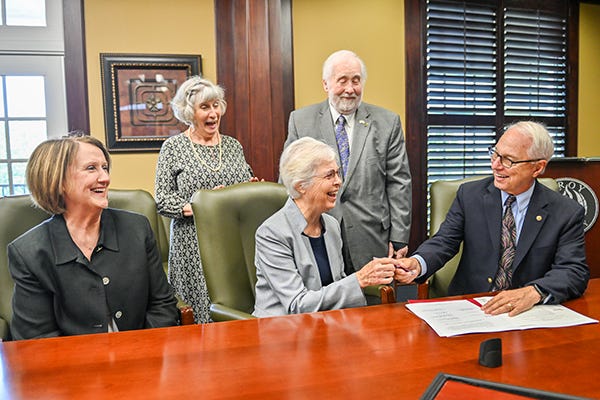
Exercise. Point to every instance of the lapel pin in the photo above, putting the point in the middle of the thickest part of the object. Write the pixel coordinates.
(363, 123)
(538, 218)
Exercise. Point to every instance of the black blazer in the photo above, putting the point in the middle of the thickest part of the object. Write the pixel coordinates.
(59, 292)
(550, 251)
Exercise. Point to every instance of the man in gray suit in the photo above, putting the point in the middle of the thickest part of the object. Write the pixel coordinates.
(374, 202)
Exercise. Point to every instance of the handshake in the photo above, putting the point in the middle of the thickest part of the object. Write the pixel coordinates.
(383, 271)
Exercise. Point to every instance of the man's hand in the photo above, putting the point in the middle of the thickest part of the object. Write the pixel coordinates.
(407, 269)
(513, 302)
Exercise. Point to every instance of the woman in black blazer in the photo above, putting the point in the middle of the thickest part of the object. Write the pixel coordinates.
(88, 268)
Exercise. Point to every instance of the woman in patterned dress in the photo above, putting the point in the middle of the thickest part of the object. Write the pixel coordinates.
(198, 158)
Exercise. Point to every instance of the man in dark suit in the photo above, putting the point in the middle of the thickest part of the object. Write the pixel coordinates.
(374, 202)
(547, 264)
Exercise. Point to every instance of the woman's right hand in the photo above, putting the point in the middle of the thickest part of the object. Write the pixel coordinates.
(187, 210)
(379, 271)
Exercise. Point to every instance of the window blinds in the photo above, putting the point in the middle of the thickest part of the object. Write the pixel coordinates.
(487, 66)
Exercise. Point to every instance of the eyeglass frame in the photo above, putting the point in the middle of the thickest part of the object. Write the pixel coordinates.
(492, 151)
(330, 175)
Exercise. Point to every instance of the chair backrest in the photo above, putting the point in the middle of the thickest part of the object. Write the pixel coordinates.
(226, 221)
(18, 215)
(442, 196)
(142, 202)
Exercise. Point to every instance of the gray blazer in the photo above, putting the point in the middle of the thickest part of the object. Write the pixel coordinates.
(375, 200)
(288, 280)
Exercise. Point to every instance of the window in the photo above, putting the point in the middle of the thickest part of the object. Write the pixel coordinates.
(475, 66)
(32, 90)
(486, 67)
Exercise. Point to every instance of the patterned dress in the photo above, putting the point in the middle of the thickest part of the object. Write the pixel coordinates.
(179, 174)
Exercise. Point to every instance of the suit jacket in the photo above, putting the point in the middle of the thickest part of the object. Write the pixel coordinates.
(375, 200)
(550, 251)
(287, 276)
(58, 292)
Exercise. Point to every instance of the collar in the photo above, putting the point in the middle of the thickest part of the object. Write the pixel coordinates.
(350, 118)
(522, 200)
(296, 217)
(66, 250)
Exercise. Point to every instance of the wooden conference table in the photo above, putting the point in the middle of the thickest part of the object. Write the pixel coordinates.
(372, 352)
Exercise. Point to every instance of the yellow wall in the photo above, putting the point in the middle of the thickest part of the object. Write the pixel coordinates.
(588, 144)
(365, 27)
(320, 27)
(143, 26)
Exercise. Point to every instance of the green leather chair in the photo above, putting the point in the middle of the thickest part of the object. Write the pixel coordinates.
(226, 221)
(442, 196)
(18, 215)
(142, 202)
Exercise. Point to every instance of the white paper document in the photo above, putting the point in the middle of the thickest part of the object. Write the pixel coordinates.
(458, 317)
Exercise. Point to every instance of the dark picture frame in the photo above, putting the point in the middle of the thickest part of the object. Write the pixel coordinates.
(448, 386)
(137, 90)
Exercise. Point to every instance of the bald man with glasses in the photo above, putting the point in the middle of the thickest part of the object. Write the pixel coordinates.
(519, 237)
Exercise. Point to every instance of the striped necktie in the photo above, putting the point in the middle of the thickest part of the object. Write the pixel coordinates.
(508, 248)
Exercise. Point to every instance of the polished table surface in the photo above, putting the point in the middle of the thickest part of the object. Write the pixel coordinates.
(379, 351)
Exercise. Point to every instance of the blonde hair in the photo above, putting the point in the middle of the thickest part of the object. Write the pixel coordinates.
(47, 170)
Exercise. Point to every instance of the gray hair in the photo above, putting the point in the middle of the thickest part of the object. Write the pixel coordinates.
(335, 57)
(299, 163)
(196, 90)
(542, 145)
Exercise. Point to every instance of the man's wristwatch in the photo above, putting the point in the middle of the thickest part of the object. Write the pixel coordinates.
(543, 296)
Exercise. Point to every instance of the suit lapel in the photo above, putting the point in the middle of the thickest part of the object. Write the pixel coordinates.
(362, 129)
(492, 203)
(532, 224)
(327, 128)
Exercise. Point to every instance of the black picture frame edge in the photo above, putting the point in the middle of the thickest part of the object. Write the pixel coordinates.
(441, 378)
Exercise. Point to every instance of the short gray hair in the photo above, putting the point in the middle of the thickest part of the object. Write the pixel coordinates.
(542, 145)
(196, 90)
(333, 59)
(299, 163)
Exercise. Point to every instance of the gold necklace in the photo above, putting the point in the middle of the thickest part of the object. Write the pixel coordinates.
(214, 169)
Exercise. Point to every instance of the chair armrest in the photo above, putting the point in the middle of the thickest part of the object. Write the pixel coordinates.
(423, 290)
(220, 312)
(186, 314)
(4, 330)
(385, 292)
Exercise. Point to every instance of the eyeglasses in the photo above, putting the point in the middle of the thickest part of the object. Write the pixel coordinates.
(505, 161)
(331, 174)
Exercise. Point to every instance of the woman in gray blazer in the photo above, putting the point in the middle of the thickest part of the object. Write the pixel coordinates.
(299, 264)
(88, 268)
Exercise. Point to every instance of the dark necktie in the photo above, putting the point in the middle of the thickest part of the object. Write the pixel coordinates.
(342, 141)
(508, 247)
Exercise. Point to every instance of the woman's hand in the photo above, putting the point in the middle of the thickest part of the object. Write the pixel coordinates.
(255, 179)
(380, 271)
(187, 210)
(400, 253)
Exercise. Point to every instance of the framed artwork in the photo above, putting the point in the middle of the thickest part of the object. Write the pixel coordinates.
(137, 91)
